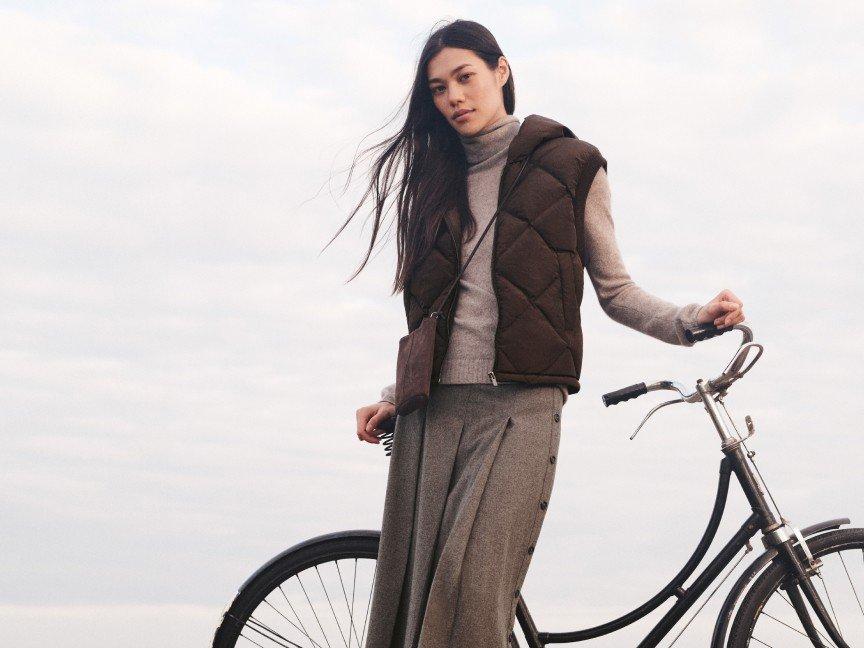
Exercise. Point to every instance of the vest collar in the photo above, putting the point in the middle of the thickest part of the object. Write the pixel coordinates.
(534, 131)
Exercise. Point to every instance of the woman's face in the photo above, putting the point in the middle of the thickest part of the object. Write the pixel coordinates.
(459, 80)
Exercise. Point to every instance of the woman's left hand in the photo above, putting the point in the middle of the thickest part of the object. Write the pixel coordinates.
(724, 310)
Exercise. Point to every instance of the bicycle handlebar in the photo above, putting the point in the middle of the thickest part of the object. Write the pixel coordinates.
(705, 332)
(625, 393)
(698, 334)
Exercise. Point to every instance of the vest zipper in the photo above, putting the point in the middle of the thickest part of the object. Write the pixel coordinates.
(491, 374)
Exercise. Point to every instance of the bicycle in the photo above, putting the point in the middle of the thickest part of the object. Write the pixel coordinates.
(787, 575)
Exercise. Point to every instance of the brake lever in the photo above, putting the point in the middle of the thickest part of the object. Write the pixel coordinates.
(733, 370)
(674, 385)
(654, 409)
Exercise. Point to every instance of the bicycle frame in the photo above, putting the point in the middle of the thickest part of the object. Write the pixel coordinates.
(778, 538)
(787, 554)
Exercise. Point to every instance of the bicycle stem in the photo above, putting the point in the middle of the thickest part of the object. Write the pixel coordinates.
(726, 438)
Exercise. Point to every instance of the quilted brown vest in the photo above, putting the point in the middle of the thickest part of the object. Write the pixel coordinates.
(537, 268)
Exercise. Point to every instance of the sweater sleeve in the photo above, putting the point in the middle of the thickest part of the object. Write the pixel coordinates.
(619, 296)
(388, 394)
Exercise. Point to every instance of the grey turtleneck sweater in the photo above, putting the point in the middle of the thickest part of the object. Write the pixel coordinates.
(470, 353)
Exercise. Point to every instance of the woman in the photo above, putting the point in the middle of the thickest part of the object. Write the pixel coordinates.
(471, 474)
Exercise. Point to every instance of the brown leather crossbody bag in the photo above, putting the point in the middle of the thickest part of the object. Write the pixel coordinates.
(417, 349)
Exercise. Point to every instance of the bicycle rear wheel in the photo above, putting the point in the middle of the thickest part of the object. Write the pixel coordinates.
(315, 595)
(767, 617)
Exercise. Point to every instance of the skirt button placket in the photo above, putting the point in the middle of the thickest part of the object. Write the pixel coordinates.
(544, 504)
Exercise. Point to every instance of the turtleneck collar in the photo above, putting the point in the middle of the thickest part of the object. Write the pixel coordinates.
(492, 139)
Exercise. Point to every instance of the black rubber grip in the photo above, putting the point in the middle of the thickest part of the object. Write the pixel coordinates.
(705, 331)
(388, 424)
(626, 393)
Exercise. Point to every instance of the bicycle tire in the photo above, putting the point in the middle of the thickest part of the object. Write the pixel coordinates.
(757, 597)
(237, 620)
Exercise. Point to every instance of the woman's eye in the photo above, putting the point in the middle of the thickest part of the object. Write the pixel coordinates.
(461, 78)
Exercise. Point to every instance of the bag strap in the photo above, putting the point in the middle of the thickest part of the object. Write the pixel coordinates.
(480, 240)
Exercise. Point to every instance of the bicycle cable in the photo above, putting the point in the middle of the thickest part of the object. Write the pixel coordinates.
(748, 546)
(748, 549)
(750, 455)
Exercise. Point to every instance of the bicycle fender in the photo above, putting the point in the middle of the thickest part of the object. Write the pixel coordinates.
(718, 639)
(306, 543)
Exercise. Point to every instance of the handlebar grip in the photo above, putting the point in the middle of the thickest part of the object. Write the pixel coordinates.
(389, 428)
(388, 424)
(624, 394)
(705, 332)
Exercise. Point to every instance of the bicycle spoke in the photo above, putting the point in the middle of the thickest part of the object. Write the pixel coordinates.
(260, 627)
(327, 596)
(854, 591)
(764, 612)
(297, 616)
(279, 612)
(821, 634)
(251, 640)
(759, 641)
(262, 617)
(347, 607)
(830, 602)
(315, 614)
(782, 624)
(369, 603)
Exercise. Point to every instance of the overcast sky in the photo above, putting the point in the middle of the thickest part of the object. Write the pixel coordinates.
(180, 364)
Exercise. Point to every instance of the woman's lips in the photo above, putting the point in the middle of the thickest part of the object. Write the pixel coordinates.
(464, 116)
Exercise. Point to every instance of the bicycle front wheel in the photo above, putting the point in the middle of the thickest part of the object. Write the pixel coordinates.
(315, 595)
(767, 616)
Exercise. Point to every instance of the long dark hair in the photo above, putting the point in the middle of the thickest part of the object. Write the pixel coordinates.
(430, 155)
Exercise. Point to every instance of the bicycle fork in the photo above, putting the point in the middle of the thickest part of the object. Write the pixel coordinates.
(804, 573)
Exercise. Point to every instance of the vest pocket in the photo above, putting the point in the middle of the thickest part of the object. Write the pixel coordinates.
(568, 288)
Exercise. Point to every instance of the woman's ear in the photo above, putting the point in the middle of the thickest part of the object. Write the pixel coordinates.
(503, 71)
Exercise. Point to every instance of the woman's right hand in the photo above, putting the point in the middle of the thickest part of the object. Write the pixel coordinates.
(370, 417)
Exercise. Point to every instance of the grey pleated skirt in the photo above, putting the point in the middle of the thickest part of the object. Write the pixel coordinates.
(469, 482)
